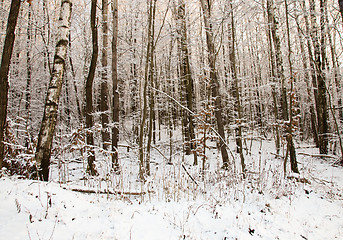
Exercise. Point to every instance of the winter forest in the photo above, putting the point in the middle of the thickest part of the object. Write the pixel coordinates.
(171, 119)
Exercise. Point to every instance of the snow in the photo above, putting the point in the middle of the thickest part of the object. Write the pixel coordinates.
(265, 205)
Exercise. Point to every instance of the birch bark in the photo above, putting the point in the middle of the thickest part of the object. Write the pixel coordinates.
(47, 129)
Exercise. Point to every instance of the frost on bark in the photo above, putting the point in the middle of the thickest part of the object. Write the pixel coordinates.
(47, 129)
(4, 69)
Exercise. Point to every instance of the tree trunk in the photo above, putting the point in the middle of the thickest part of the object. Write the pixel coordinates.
(104, 85)
(319, 63)
(142, 167)
(47, 129)
(115, 113)
(308, 75)
(278, 58)
(340, 3)
(186, 77)
(206, 7)
(273, 77)
(89, 91)
(28, 76)
(4, 69)
(151, 76)
(290, 142)
(236, 92)
(312, 72)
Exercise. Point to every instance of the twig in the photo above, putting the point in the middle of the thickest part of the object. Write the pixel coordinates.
(189, 175)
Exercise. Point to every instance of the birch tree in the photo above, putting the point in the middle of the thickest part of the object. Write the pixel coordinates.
(47, 129)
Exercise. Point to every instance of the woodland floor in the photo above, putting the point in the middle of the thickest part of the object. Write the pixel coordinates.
(170, 205)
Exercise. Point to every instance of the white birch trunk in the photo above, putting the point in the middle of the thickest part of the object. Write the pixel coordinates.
(48, 124)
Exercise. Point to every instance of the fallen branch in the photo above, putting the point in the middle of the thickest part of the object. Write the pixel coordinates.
(108, 192)
(319, 155)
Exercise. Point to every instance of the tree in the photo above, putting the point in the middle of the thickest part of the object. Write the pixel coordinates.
(290, 123)
(104, 86)
(47, 129)
(89, 91)
(319, 64)
(206, 8)
(144, 164)
(340, 3)
(4, 69)
(236, 92)
(185, 76)
(115, 113)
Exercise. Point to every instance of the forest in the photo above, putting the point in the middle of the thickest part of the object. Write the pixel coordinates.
(171, 109)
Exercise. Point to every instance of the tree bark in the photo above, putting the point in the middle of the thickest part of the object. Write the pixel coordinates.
(4, 69)
(28, 76)
(236, 92)
(47, 129)
(89, 92)
(319, 64)
(104, 85)
(308, 75)
(273, 77)
(278, 58)
(186, 76)
(290, 142)
(115, 113)
(206, 7)
(340, 3)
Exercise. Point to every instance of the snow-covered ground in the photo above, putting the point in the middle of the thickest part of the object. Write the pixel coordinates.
(220, 205)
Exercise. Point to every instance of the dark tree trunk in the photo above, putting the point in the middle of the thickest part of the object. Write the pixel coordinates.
(104, 85)
(28, 76)
(312, 73)
(319, 63)
(291, 146)
(236, 92)
(89, 91)
(4, 69)
(115, 113)
(340, 3)
(186, 77)
(273, 77)
(214, 81)
(142, 163)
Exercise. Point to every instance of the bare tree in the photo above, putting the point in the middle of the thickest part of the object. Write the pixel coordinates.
(4, 69)
(104, 85)
(206, 7)
(89, 91)
(186, 77)
(47, 129)
(236, 92)
(289, 137)
(115, 113)
(319, 64)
